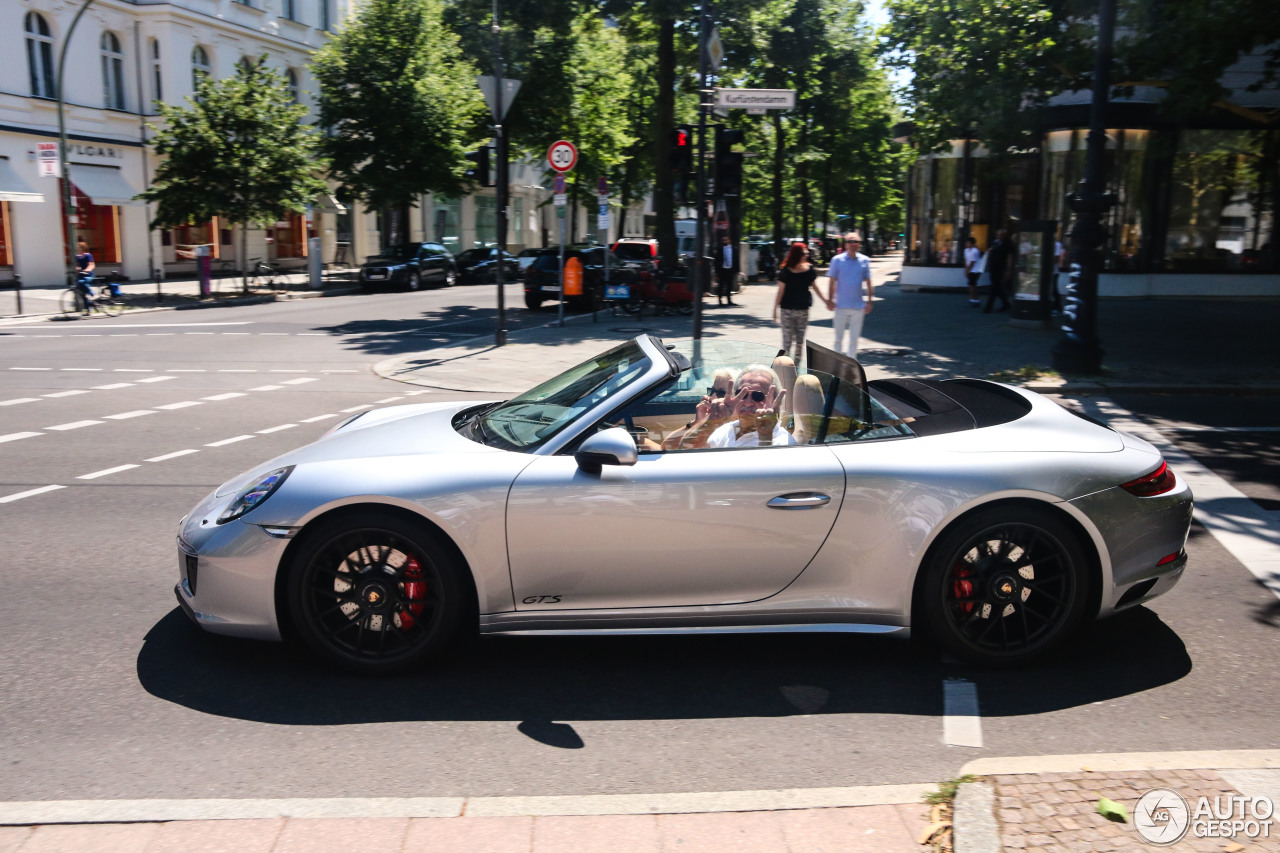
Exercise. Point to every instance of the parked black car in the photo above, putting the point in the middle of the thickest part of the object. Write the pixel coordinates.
(476, 266)
(542, 278)
(409, 265)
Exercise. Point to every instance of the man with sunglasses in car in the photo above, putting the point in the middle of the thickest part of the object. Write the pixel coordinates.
(747, 418)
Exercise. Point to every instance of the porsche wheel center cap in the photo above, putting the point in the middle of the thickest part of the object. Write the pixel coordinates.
(1004, 587)
(375, 596)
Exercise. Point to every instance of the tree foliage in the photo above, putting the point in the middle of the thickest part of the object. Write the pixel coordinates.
(400, 104)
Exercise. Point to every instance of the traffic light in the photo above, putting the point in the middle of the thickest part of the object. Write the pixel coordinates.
(480, 172)
(728, 164)
(681, 161)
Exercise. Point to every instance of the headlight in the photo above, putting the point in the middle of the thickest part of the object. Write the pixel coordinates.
(255, 495)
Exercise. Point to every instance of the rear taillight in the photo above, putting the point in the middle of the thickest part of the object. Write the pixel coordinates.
(1157, 482)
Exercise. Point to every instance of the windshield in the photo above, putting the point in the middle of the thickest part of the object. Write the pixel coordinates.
(403, 252)
(633, 251)
(535, 416)
(550, 262)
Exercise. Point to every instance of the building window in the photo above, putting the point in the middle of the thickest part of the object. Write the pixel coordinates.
(291, 83)
(157, 88)
(446, 222)
(112, 72)
(6, 245)
(40, 56)
(98, 225)
(246, 63)
(200, 68)
(324, 15)
(288, 10)
(486, 222)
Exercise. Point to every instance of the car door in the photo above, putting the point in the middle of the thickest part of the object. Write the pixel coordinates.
(703, 527)
(435, 263)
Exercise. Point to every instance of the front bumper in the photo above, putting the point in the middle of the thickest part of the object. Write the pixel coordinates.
(382, 275)
(234, 590)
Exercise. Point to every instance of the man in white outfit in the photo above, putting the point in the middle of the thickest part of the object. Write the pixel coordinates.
(848, 272)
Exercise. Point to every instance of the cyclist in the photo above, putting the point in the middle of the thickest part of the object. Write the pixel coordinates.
(84, 273)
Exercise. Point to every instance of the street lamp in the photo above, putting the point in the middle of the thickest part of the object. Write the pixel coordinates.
(1079, 351)
(68, 231)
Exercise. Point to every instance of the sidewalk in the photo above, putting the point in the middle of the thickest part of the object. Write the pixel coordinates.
(1153, 345)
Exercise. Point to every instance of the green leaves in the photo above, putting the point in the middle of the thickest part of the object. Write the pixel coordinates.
(237, 150)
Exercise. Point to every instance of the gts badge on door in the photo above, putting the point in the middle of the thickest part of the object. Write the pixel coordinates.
(540, 599)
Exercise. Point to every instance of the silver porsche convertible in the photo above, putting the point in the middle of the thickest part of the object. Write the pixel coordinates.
(686, 488)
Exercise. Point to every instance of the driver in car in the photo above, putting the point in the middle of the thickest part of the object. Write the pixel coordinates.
(748, 418)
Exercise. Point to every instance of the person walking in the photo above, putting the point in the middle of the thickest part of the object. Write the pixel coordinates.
(973, 269)
(848, 273)
(795, 281)
(724, 273)
(998, 266)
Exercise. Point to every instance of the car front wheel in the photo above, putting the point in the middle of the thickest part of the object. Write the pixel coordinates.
(415, 280)
(1005, 586)
(376, 594)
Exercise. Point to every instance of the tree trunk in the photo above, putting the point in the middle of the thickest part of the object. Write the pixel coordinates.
(244, 257)
(779, 163)
(802, 173)
(664, 123)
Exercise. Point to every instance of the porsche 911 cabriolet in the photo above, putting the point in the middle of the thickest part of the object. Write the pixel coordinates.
(702, 486)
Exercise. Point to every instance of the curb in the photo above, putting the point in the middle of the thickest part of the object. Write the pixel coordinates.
(45, 812)
(289, 296)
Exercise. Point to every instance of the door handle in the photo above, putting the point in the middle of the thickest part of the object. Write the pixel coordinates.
(800, 500)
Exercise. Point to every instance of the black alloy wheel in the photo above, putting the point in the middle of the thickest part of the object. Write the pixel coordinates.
(375, 595)
(1006, 585)
(532, 302)
(415, 280)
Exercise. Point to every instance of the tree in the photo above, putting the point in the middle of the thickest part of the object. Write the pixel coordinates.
(399, 103)
(237, 150)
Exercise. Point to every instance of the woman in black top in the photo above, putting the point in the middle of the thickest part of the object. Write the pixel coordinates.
(796, 278)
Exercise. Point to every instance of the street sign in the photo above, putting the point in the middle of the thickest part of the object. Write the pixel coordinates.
(603, 187)
(767, 99)
(509, 89)
(559, 184)
(47, 155)
(562, 156)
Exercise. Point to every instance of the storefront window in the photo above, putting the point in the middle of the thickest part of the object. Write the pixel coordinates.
(1217, 207)
(291, 236)
(187, 237)
(946, 210)
(6, 245)
(446, 223)
(98, 225)
(486, 223)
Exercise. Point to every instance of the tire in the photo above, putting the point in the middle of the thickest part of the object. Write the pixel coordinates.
(532, 302)
(376, 594)
(71, 302)
(1005, 586)
(109, 304)
(450, 278)
(415, 280)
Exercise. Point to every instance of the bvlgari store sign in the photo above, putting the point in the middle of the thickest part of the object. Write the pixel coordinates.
(94, 152)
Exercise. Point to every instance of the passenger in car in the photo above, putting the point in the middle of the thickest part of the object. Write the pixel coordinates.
(748, 418)
(721, 386)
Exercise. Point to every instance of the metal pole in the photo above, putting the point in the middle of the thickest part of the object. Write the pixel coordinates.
(500, 179)
(69, 235)
(560, 310)
(700, 210)
(1079, 351)
(142, 133)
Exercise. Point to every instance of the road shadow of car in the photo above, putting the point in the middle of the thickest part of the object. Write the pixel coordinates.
(662, 677)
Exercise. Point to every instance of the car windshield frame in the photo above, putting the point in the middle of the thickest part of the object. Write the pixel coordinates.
(527, 423)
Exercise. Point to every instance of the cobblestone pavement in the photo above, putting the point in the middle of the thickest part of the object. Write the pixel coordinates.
(1057, 812)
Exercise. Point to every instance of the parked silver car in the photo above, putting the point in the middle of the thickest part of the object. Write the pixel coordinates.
(602, 502)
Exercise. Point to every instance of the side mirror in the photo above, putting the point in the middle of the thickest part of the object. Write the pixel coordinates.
(609, 447)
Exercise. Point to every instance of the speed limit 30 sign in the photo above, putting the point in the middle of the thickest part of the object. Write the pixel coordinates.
(562, 156)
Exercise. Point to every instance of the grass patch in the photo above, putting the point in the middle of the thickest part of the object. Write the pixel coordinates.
(1026, 373)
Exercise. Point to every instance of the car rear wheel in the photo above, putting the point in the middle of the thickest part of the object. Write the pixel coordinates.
(532, 302)
(1005, 586)
(376, 594)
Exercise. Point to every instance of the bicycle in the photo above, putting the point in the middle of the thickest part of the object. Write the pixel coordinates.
(263, 274)
(100, 299)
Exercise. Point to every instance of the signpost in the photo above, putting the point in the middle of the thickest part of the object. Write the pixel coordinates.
(560, 203)
(562, 156)
(757, 99)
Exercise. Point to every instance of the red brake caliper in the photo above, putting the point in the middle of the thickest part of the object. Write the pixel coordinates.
(414, 590)
(962, 588)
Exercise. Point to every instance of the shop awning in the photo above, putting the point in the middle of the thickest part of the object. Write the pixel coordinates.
(328, 204)
(103, 184)
(12, 187)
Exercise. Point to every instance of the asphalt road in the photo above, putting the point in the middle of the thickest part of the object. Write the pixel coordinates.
(107, 692)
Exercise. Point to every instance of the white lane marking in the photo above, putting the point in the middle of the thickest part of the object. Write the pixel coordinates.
(126, 335)
(88, 335)
(339, 371)
(1202, 428)
(274, 334)
(311, 334)
(133, 370)
(105, 471)
(316, 418)
(358, 408)
(386, 400)
(415, 393)
(276, 428)
(185, 404)
(176, 325)
(197, 333)
(226, 396)
(281, 370)
(173, 455)
(81, 369)
(73, 425)
(187, 370)
(124, 416)
(300, 381)
(228, 441)
(18, 400)
(30, 492)
(1246, 530)
(15, 436)
(961, 720)
(113, 386)
(31, 368)
(160, 334)
(267, 388)
(157, 379)
(237, 370)
(70, 393)
(234, 333)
